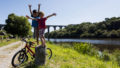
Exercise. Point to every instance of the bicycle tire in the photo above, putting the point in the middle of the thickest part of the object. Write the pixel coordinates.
(49, 55)
(21, 58)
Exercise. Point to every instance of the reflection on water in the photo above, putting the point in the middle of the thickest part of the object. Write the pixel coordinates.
(93, 41)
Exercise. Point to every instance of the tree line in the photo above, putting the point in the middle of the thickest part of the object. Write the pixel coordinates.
(109, 28)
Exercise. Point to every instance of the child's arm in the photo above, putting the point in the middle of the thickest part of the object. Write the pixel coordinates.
(30, 9)
(54, 14)
(31, 18)
(38, 8)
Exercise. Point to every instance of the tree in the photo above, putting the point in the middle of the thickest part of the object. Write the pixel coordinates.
(18, 25)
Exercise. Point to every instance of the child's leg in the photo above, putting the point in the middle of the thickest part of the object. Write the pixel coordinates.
(37, 35)
(35, 32)
(42, 37)
(42, 41)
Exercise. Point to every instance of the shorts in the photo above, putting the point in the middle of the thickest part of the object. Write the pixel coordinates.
(41, 32)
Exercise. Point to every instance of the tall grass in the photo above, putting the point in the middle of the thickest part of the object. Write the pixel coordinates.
(81, 55)
(89, 49)
(85, 48)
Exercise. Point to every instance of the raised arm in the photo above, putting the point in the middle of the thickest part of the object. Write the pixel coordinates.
(38, 8)
(54, 14)
(30, 9)
(31, 18)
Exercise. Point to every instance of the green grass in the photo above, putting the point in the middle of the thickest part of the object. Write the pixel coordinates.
(64, 57)
(5, 42)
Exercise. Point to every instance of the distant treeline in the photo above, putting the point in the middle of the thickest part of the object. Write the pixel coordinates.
(109, 28)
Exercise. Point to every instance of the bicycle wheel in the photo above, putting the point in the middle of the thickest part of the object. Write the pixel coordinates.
(48, 53)
(19, 58)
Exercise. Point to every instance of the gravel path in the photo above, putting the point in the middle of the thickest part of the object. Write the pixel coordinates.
(7, 52)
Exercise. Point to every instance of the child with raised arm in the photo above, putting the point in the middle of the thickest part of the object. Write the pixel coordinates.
(42, 25)
(35, 14)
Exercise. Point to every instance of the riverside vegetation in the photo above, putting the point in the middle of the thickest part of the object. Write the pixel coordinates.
(109, 28)
(78, 55)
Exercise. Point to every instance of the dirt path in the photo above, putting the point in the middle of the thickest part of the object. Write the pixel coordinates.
(7, 52)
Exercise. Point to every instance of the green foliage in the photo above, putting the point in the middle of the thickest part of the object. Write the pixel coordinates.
(110, 28)
(91, 50)
(85, 48)
(105, 56)
(116, 54)
(18, 25)
(64, 57)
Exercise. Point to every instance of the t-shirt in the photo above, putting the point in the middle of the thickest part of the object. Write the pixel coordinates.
(34, 22)
(41, 22)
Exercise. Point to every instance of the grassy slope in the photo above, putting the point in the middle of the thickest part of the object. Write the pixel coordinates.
(5, 42)
(69, 58)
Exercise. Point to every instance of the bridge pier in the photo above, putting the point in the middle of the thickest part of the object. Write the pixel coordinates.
(54, 27)
(48, 28)
(60, 27)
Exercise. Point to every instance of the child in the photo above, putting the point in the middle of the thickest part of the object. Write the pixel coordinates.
(35, 14)
(42, 25)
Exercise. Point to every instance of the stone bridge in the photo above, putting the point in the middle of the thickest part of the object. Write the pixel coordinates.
(48, 27)
(54, 26)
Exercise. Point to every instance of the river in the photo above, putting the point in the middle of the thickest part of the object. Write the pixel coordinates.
(92, 41)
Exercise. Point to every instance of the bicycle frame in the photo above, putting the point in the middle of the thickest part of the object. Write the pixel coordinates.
(22, 56)
(28, 50)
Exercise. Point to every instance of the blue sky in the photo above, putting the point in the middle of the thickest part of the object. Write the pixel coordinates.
(68, 11)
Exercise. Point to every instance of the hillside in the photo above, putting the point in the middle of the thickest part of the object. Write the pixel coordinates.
(67, 57)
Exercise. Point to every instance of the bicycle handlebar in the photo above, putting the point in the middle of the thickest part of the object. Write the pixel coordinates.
(30, 43)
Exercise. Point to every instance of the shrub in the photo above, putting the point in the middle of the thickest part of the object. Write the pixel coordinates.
(116, 54)
(105, 56)
(85, 48)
